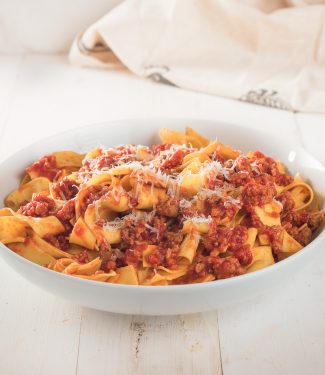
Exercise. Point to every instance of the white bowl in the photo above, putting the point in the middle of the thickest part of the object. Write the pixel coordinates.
(161, 300)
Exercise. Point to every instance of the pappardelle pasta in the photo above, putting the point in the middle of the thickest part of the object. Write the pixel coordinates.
(188, 210)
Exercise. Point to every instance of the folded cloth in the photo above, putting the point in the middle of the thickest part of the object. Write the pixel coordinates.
(261, 51)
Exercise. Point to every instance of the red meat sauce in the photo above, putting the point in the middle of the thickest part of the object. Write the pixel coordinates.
(136, 234)
(313, 219)
(157, 149)
(258, 193)
(65, 189)
(138, 231)
(214, 181)
(288, 203)
(256, 176)
(299, 224)
(94, 192)
(162, 256)
(224, 253)
(301, 235)
(40, 206)
(220, 268)
(109, 158)
(217, 156)
(111, 257)
(219, 208)
(173, 160)
(302, 224)
(275, 236)
(60, 240)
(67, 211)
(269, 166)
(45, 167)
(82, 257)
(221, 239)
(169, 208)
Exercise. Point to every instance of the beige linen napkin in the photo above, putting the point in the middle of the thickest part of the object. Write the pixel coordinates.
(270, 52)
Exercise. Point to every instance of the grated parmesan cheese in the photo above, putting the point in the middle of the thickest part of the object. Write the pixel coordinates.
(184, 203)
(200, 219)
(116, 224)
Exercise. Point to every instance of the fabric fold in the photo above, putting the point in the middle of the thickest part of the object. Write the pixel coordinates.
(246, 50)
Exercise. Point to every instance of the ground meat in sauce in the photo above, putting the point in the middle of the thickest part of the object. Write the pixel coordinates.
(108, 256)
(39, 206)
(133, 232)
(227, 267)
(302, 235)
(189, 211)
(65, 189)
(275, 236)
(220, 239)
(137, 231)
(244, 255)
(173, 160)
(255, 194)
(105, 161)
(45, 167)
(252, 220)
(214, 181)
(170, 207)
(314, 220)
(156, 149)
(283, 179)
(134, 256)
(67, 211)
(220, 268)
(217, 239)
(165, 257)
(286, 200)
(136, 234)
(94, 192)
(217, 156)
(82, 257)
(238, 236)
(219, 208)
(243, 165)
(239, 178)
(269, 166)
(61, 241)
(222, 252)
(109, 158)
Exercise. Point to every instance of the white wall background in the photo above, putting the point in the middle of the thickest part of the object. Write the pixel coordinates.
(49, 26)
(46, 26)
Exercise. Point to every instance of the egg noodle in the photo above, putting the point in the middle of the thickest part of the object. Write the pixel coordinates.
(187, 210)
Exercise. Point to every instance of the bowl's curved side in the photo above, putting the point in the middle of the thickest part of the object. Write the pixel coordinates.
(147, 300)
(170, 299)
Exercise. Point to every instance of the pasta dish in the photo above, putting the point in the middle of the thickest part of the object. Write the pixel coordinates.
(187, 210)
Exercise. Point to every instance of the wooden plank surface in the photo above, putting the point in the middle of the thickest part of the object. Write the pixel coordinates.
(177, 345)
(38, 332)
(281, 333)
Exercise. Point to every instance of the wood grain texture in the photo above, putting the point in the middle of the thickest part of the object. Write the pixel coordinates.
(38, 332)
(181, 345)
(282, 332)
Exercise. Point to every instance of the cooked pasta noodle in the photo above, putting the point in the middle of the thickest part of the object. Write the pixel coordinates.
(184, 211)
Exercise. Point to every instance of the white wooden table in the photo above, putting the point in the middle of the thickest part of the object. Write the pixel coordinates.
(280, 333)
